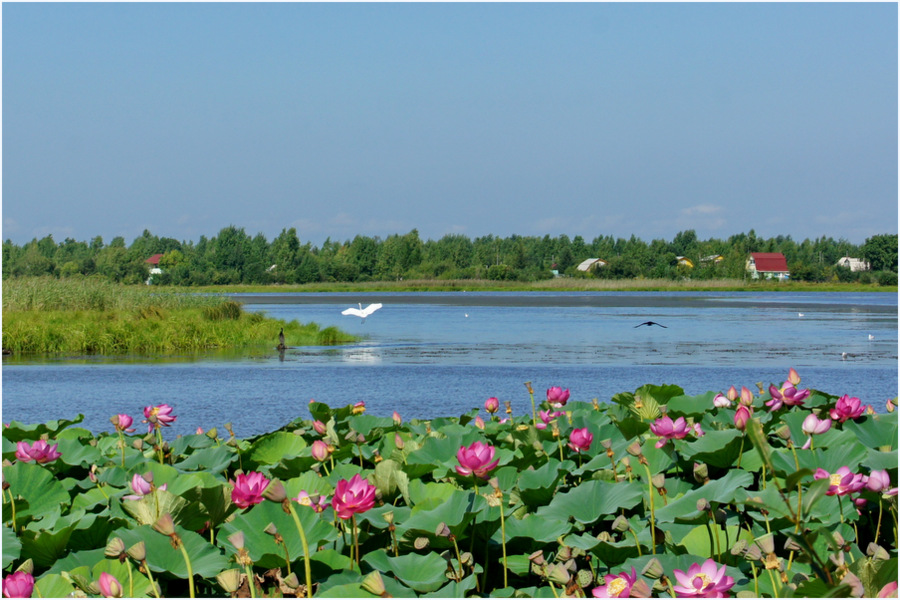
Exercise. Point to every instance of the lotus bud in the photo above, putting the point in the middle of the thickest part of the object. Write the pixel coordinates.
(766, 543)
(703, 505)
(398, 441)
(421, 543)
(747, 396)
(109, 586)
(732, 394)
(138, 552)
(653, 569)
(856, 586)
(397, 418)
(292, 581)
(621, 524)
(701, 472)
(360, 439)
(165, 525)
(793, 376)
(720, 516)
(275, 491)
(230, 580)
(739, 548)
(634, 448)
(374, 584)
(479, 422)
(877, 552)
(558, 574)
(889, 406)
(114, 548)
(319, 427)
(442, 530)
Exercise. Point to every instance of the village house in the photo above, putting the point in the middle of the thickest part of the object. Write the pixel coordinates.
(854, 264)
(591, 264)
(684, 261)
(153, 261)
(712, 258)
(768, 265)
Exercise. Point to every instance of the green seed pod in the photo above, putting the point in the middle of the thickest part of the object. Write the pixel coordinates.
(114, 548)
(230, 580)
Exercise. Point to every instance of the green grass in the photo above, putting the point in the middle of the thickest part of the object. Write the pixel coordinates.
(86, 316)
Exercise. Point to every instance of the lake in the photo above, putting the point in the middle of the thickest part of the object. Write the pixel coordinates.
(441, 354)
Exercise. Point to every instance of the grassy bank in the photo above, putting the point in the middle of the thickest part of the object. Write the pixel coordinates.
(562, 284)
(85, 316)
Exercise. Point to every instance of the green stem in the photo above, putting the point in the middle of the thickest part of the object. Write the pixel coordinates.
(458, 576)
(713, 524)
(150, 577)
(652, 512)
(552, 589)
(250, 582)
(122, 446)
(190, 570)
(355, 541)
(12, 504)
(637, 543)
(755, 579)
(159, 445)
(772, 579)
(130, 580)
(533, 409)
(741, 455)
(306, 567)
(841, 508)
(880, 511)
(503, 542)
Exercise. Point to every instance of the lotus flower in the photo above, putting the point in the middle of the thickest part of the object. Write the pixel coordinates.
(476, 460)
(320, 450)
(557, 396)
(318, 502)
(40, 452)
(880, 481)
(110, 586)
(704, 581)
(479, 422)
(141, 487)
(156, 416)
(888, 591)
(746, 397)
(398, 420)
(787, 395)
(18, 585)
(319, 426)
(580, 440)
(248, 489)
(122, 423)
(741, 416)
(492, 405)
(732, 394)
(547, 416)
(359, 408)
(667, 429)
(812, 425)
(722, 401)
(889, 405)
(843, 481)
(793, 376)
(847, 408)
(354, 496)
(616, 587)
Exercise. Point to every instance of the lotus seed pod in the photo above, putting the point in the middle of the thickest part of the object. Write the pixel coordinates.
(114, 548)
(466, 558)
(165, 525)
(237, 539)
(658, 480)
(230, 580)
(212, 433)
(604, 536)
(784, 432)
(291, 581)
(640, 589)
(537, 558)
(621, 524)
(138, 444)
(766, 543)
(271, 529)
(877, 552)
(739, 548)
(558, 574)
(442, 530)
(653, 569)
(720, 516)
(606, 444)
(374, 584)
(703, 505)
(701, 472)
(753, 552)
(421, 543)
(584, 578)
(791, 545)
(634, 449)
(388, 517)
(275, 491)
(138, 552)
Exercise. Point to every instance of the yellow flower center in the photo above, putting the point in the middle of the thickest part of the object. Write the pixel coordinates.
(704, 578)
(835, 479)
(616, 587)
(154, 411)
(305, 501)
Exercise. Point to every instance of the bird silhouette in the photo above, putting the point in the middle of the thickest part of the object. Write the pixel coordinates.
(281, 345)
(650, 323)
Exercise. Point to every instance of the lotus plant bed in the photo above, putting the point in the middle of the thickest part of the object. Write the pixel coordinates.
(778, 492)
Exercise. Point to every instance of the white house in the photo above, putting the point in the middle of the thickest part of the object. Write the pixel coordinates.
(854, 264)
(591, 263)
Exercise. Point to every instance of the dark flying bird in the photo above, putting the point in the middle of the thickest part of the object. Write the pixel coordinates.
(650, 323)
(281, 345)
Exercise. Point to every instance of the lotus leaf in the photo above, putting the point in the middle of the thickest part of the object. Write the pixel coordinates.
(423, 573)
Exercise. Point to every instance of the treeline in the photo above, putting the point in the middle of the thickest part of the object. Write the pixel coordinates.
(234, 257)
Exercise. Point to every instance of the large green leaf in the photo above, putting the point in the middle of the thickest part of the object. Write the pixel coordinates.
(16, 431)
(537, 529)
(716, 448)
(690, 405)
(53, 586)
(214, 459)
(11, 546)
(593, 500)
(37, 486)
(722, 490)
(206, 559)
(390, 479)
(875, 431)
(537, 486)
(272, 448)
(44, 547)
(421, 573)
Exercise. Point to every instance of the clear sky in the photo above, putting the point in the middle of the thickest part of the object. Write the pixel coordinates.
(342, 119)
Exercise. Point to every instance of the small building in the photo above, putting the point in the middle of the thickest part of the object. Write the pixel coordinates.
(591, 264)
(154, 269)
(684, 261)
(712, 258)
(854, 264)
(768, 265)
(154, 260)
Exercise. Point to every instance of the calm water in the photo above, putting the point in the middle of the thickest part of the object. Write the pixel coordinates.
(438, 354)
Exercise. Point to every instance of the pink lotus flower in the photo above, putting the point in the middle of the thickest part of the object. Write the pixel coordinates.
(397, 418)
(888, 591)
(547, 416)
(732, 394)
(122, 423)
(492, 405)
(156, 416)
(812, 425)
(741, 417)
(722, 401)
(557, 397)
(847, 408)
(110, 586)
(359, 408)
(787, 395)
(880, 481)
(889, 405)
(479, 422)
(40, 452)
(318, 503)
(476, 460)
(580, 440)
(18, 585)
(320, 451)
(248, 489)
(616, 587)
(141, 486)
(702, 581)
(319, 426)
(667, 429)
(354, 496)
(843, 481)
(793, 377)
(746, 397)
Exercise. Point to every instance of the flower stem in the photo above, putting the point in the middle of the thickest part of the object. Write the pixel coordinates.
(652, 512)
(12, 503)
(878, 528)
(130, 580)
(533, 409)
(503, 541)
(190, 570)
(150, 577)
(159, 446)
(250, 582)
(122, 446)
(305, 545)
(457, 576)
(355, 542)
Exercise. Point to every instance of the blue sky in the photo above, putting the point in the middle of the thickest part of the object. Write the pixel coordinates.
(373, 119)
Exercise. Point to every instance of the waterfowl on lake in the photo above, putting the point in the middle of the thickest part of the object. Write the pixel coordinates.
(362, 312)
(281, 345)
(650, 323)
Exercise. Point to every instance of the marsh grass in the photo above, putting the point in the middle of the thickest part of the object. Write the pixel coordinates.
(76, 317)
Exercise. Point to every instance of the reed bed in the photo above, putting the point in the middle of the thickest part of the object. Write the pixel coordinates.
(87, 316)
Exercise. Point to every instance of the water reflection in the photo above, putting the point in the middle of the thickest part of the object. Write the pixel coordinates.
(359, 354)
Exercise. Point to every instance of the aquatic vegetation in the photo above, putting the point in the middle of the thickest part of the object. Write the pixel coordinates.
(617, 499)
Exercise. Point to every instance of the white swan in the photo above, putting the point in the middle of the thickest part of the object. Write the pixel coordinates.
(362, 312)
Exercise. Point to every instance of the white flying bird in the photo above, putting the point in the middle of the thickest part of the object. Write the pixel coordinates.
(362, 312)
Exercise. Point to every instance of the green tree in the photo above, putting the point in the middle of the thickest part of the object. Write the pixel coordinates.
(881, 252)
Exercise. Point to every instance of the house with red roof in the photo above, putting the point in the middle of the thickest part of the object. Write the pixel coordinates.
(768, 265)
(153, 261)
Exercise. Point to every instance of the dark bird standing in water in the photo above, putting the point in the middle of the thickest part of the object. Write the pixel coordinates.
(281, 345)
(650, 323)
